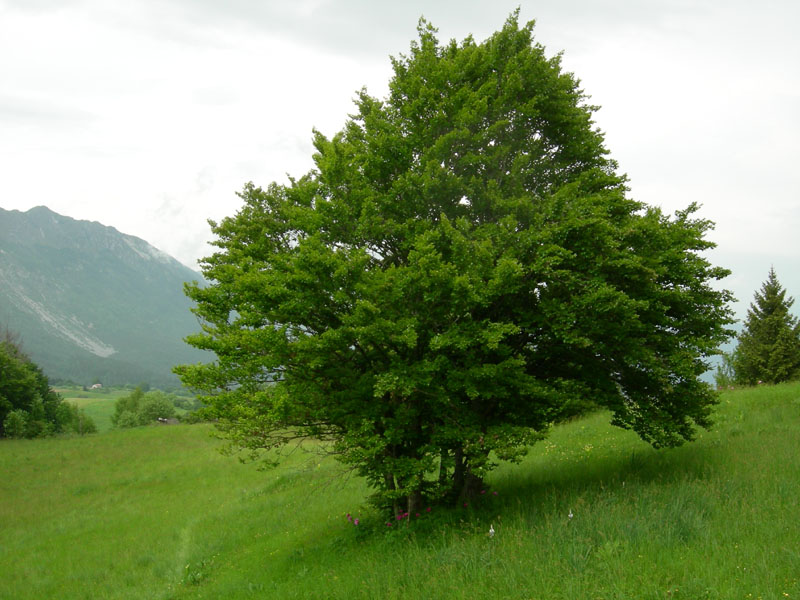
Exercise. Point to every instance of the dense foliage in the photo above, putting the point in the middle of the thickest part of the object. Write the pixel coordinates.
(461, 270)
(142, 408)
(28, 406)
(769, 345)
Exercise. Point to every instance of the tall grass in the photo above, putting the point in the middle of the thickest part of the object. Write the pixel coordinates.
(157, 513)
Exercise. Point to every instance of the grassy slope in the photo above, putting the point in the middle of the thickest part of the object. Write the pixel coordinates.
(157, 513)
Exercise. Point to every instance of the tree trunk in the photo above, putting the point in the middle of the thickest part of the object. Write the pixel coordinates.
(471, 488)
(444, 459)
(414, 502)
(392, 486)
(458, 472)
(466, 485)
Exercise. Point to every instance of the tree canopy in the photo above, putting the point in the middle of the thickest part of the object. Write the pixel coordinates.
(462, 268)
(28, 406)
(769, 344)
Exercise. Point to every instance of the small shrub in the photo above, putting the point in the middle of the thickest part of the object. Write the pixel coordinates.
(126, 419)
(15, 424)
(195, 416)
(155, 405)
(127, 404)
(83, 423)
(725, 375)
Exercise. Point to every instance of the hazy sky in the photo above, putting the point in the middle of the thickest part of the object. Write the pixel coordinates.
(149, 115)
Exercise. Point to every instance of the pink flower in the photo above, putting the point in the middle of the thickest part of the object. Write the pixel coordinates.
(483, 491)
(494, 493)
(355, 522)
(399, 517)
(388, 524)
(465, 505)
(428, 509)
(418, 514)
(349, 518)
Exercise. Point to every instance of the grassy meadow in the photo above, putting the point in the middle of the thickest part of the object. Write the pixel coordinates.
(98, 404)
(157, 512)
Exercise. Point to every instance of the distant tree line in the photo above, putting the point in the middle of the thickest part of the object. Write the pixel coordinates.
(29, 407)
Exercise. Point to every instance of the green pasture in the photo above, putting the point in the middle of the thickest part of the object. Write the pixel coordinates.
(157, 512)
(98, 404)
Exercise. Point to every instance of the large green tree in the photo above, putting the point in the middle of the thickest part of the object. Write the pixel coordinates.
(769, 344)
(462, 267)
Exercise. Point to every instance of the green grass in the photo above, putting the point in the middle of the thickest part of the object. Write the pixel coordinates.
(156, 512)
(98, 404)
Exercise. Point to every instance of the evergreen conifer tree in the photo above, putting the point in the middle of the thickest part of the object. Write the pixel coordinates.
(769, 344)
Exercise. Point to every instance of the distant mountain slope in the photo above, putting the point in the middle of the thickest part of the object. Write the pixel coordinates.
(91, 302)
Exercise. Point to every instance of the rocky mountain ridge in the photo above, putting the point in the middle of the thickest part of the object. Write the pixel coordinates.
(92, 303)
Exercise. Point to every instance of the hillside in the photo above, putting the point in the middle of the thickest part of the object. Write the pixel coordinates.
(92, 303)
(157, 512)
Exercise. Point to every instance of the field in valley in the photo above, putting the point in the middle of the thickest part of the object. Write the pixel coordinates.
(98, 404)
(158, 512)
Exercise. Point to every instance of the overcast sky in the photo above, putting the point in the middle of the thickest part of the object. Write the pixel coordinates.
(148, 115)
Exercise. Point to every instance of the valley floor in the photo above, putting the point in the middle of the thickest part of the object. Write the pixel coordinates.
(157, 512)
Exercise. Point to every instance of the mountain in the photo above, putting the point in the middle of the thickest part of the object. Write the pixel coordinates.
(92, 303)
